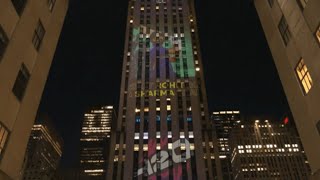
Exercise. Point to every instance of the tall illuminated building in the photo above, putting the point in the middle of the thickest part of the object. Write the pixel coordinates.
(163, 129)
(29, 33)
(263, 150)
(44, 150)
(94, 142)
(224, 122)
(292, 29)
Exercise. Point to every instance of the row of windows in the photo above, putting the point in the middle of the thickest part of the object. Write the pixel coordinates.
(20, 4)
(36, 39)
(22, 79)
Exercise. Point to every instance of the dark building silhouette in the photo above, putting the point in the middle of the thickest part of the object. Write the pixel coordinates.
(224, 122)
(44, 150)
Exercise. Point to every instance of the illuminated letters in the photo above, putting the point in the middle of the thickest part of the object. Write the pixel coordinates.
(164, 155)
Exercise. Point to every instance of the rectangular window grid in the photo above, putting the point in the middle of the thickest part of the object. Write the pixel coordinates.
(3, 138)
(304, 76)
(303, 3)
(21, 82)
(3, 42)
(38, 35)
(51, 4)
(284, 30)
(318, 34)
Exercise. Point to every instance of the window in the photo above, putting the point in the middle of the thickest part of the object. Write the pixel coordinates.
(302, 3)
(38, 35)
(284, 30)
(19, 5)
(318, 127)
(51, 4)
(3, 42)
(270, 2)
(3, 137)
(304, 76)
(318, 34)
(21, 82)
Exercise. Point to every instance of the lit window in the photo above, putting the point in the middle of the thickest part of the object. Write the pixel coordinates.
(51, 4)
(21, 82)
(3, 137)
(3, 42)
(284, 30)
(318, 34)
(38, 36)
(304, 76)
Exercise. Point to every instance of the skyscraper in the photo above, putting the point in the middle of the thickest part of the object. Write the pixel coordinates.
(44, 150)
(265, 150)
(224, 122)
(29, 32)
(94, 142)
(292, 29)
(163, 129)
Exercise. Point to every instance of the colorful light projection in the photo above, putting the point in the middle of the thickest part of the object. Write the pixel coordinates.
(176, 47)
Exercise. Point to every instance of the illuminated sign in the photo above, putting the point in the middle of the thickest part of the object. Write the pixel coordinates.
(151, 164)
(163, 89)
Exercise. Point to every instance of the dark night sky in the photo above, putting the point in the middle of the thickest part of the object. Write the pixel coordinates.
(86, 69)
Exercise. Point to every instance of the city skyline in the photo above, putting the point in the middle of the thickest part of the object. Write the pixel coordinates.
(68, 86)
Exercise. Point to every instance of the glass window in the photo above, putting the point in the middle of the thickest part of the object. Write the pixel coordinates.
(3, 138)
(284, 30)
(271, 2)
(51, 4)
(318, 127)
(21, 82)
(3, 42)
(318, 34)
(38, 35)
(19, 5)
(304, 76)
(303, 3)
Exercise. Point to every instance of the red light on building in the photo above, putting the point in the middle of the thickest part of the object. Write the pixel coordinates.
(286, 120)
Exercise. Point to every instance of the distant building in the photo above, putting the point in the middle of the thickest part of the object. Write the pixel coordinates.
(292, 29)
(263, 150)
(44, 151)
(94, 142)
(224, 122)
(29, 33)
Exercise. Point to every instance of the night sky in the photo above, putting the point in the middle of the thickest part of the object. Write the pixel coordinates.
(86, 70)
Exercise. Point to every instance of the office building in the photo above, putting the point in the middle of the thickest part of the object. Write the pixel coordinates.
(163, 129)
(292, 29)
(94, 142)
(29, 33)
(265, 150)
(44, 150)
(224, 122)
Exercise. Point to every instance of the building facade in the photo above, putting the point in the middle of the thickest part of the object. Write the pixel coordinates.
(224, 122)
(163, 129)
(94, 142)
(29, 33)
(292, 29)
(264, 150)
(44, 151)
